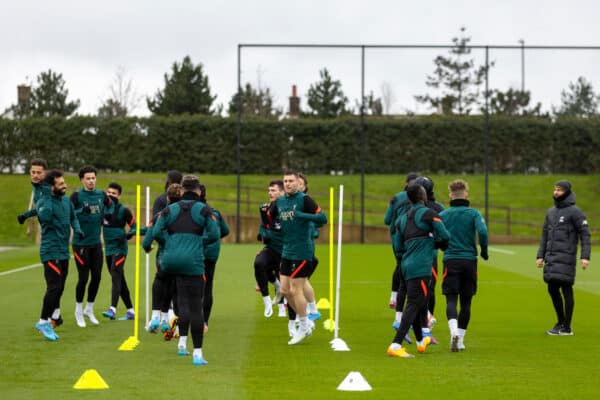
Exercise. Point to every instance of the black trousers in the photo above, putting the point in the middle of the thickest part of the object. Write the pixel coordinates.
(464, 315)
(164, 291)
(399, 285)
(116, 265)
(55, 273)
(416, 305)
(190, 293)
(89, 262)
(266, 269)
(209, 273)
(563, 304)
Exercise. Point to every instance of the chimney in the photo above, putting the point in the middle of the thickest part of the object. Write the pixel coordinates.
(294, 104)
(23, 92)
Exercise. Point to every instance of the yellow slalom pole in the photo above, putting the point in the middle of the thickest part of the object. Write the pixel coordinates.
(331, 223)
(136, 327)
(133, 341)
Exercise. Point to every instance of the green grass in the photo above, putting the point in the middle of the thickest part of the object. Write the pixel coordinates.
(527, 196)
(508, 354)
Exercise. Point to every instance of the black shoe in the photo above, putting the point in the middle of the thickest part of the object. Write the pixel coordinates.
(556, 330)
(56, 322)
(565, 331)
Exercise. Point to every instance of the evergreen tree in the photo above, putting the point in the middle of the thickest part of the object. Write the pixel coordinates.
(512, 102)
(186, 90)
(579, 100)
(48, 98)
(458, 79)
(257, 102)
(326, 98)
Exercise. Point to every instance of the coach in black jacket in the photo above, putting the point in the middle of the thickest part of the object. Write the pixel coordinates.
(564, 226)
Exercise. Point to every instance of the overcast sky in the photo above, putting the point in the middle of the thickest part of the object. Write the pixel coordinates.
(88, 41)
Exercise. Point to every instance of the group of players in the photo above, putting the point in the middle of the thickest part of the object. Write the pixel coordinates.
(187, 230)
(188, 233)
(88, 211)
(419, 226)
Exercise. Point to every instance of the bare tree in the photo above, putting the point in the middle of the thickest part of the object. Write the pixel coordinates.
(388, 97)
(123, 98)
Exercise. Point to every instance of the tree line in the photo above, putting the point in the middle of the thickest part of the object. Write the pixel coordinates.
(455, 89)
(207, 144)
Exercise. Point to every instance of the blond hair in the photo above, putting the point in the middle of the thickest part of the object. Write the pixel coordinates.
(458, 186)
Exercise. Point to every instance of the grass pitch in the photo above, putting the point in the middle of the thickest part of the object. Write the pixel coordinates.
(508, 354)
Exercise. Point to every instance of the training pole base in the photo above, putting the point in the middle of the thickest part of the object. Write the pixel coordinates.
(130, 344)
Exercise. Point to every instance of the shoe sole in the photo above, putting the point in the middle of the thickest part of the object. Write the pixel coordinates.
(292, 342)
(454, 344)
(406, 355)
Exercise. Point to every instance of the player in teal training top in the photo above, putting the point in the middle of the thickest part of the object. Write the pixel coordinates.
(56, 216)
(460, 260)
(116, 218)
(420, 231)
(295, 211)
(37, 172)
(89, 204)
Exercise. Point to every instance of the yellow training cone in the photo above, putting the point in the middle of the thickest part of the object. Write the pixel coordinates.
(323, 304)
(90, 380)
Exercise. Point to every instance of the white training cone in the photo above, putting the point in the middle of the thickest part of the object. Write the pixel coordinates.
(339, 345)
(354, 382)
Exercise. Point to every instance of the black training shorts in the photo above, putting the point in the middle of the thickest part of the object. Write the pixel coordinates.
(460, 277)
(295, 268)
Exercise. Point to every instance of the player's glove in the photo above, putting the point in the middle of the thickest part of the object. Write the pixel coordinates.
(129, 235)
(81, 235)
(21, 218)
(484, 253)
(259, 237)
(86, 209)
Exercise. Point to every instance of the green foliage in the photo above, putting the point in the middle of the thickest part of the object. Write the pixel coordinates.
(112, 109)
(513, 102)
(255, 102)
(208, 144)
(325, 98)
(579, 100)
(457, 78)
(186, 91)
(48, 98)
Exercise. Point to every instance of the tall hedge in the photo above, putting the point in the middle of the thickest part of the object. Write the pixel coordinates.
(393, 144)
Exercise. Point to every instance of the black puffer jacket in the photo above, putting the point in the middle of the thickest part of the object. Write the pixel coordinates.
(564, 226)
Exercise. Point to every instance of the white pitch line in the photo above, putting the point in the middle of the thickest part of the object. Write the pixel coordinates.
(512, 253)
(20, 269)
